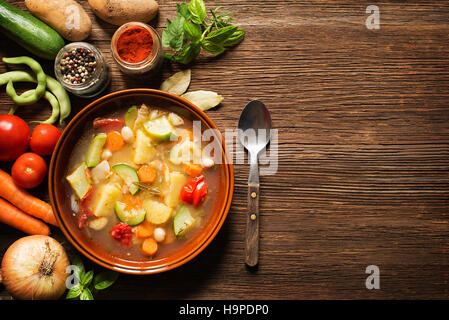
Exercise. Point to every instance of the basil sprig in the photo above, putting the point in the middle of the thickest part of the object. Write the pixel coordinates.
(192, 30)
(86, 281)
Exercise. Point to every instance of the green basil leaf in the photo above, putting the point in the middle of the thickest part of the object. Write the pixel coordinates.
(170, 57)
(212, 47)
(197, 9)
(190, 52)
(105, 279)
(219, 36)
(86, 294)
(176, 26)
(183, 10)
(236, 37)
(176, 43)
(166, 38)
(86, 278)
(74, 292)
(192, 31)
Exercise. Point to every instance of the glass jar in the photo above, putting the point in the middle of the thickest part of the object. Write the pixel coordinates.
(150, 65)
(82, 69)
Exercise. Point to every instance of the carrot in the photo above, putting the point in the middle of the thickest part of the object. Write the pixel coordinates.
(114, 141)
(24, 201)
(192, 169)
(147, 174)
(149, 246)
(131, 202)
(144, 230)
(16, 218)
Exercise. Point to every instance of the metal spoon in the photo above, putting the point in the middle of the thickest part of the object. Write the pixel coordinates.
(254, 135)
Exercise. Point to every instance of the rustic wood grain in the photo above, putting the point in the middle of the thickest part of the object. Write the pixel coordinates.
(363, 120)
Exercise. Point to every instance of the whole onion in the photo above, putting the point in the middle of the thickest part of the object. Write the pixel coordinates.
(34, 267)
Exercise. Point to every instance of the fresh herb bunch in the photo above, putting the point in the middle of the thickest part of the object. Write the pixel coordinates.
(86, 281)
(192, 30)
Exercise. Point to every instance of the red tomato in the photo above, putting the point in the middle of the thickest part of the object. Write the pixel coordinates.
(44, 139)
(14, 137)
(122, 233)
(194, 191)
(200, 193)
(29, 170)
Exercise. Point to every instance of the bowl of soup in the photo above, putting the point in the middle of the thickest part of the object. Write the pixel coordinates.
(140, 181)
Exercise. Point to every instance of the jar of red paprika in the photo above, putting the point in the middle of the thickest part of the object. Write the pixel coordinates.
(137, 49)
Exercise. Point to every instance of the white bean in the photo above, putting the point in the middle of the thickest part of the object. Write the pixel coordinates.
(106, 154)
(127, 134)
(207, 162)
(98, 223)
(159, 234)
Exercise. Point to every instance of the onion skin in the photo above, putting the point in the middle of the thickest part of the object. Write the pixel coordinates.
(34, 268)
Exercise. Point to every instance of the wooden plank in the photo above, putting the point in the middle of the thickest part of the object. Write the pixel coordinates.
(363, 152)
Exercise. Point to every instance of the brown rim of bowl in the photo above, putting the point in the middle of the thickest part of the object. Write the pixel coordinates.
(223, 212)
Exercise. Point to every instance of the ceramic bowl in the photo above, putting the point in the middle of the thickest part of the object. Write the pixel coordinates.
(60, 192)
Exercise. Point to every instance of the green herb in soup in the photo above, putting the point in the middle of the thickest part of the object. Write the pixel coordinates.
(134, 189)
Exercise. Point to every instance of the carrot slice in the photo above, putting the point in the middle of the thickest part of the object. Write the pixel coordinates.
(147, 174)
(192, 169)
(131, 202)
(24, 201)
(114, 141)
(16, 218)
(149, 246)
(144, 230)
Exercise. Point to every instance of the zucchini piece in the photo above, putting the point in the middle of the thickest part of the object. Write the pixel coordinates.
(157, 212)
(183, 221)
(132, 217)
(79, 181)
(144, 151)
(95, 148)
(160, 128)
(105, 200)
(176, 182)
(129, 175)
(131, 116)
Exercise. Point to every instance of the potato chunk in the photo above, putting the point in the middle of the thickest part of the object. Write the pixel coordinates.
(177, 181)
(105, 200)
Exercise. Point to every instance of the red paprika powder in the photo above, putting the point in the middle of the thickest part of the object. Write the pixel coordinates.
(135, 44)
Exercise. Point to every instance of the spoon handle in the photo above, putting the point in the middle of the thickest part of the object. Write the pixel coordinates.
(252, 226)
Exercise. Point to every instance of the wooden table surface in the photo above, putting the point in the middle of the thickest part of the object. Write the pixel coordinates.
(363, 120)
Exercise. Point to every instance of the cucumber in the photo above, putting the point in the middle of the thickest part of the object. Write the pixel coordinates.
(182, 221)
(129, 175)
(130, 117)
(29, 32)
(159, 128)
(95, 148)
(131, 217)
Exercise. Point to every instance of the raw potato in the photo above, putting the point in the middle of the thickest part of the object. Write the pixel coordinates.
(119, 12)
(204, 100)
(177, 83)
(67, 17)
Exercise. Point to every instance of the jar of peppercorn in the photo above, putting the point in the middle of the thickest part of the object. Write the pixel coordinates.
(137, 49)
(82, 69)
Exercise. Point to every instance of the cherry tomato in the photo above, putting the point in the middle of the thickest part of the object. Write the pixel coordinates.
(14, 137)
(44, 139)
(29, 170)
(194, 191)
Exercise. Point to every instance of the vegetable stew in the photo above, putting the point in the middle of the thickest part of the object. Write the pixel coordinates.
(141, 187)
